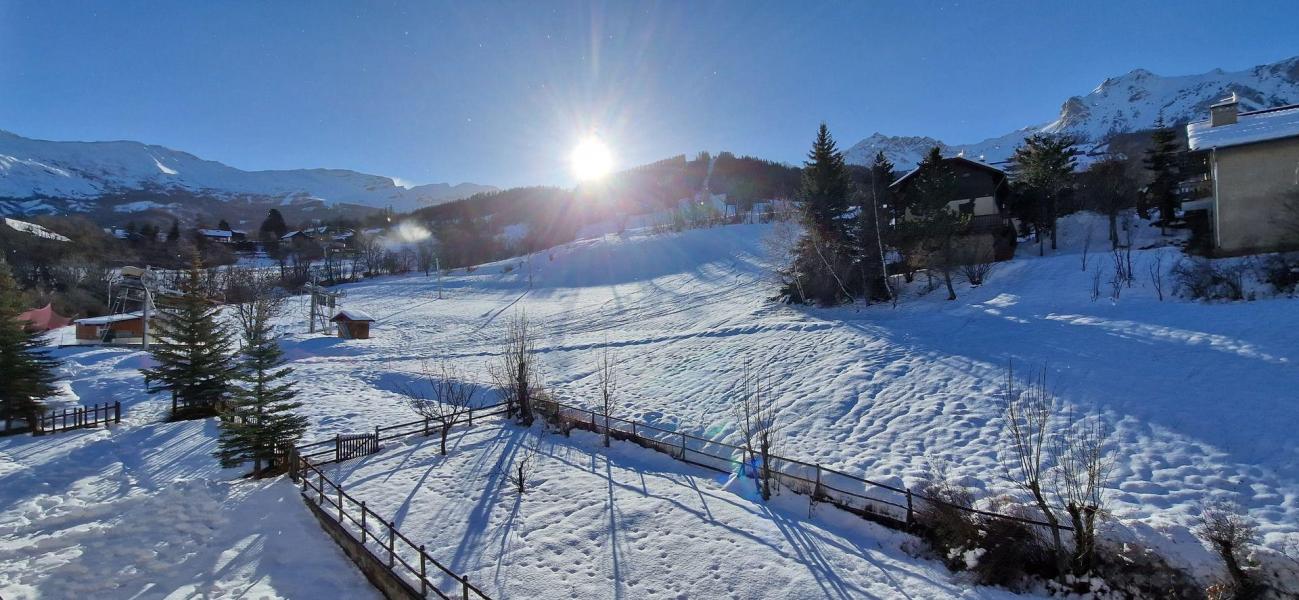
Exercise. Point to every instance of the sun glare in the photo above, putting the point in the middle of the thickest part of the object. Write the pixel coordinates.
(591, 159)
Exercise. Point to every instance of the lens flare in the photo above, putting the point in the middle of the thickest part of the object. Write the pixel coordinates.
(591, 159)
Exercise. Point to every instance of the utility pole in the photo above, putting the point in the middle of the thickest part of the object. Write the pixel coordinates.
(437, 264)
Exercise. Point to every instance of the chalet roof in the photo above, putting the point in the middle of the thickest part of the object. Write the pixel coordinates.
(1250, 127)
(216, 233)
(292, 234)
(957, 160)
(106, 319)
(352, 314)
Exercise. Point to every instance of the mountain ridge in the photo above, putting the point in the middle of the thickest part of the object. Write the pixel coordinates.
(1122, 104)
(52, 176)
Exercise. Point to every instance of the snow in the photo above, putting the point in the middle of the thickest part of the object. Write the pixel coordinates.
(106, 319)
(629, 523)
(1127, 103)
(1249, 128)
(35, 230)
(352, 314)
(85, 170)
(143, 511)
(1198, 396)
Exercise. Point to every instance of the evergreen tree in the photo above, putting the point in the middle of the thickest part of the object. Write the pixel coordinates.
(258, 418)
(274, 227)
(26, 369)
(223, 225)
(823, 257)
(872, 208)
(1043, 168)
(931, 222)
(825, 189)
(193, 351)
(1161, 161)
(173, 234)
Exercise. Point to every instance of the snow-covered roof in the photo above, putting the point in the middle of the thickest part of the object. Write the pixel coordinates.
(292, 234)
(217, 233)
(981, 165)
(352, 314)
(1250, 127)
(106, 319)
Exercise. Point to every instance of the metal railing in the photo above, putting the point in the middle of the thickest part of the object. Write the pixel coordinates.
(405, 559)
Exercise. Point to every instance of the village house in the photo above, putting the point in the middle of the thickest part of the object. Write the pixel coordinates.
(1249, 193)
(983, 193)
(353, 324)
(224, 236)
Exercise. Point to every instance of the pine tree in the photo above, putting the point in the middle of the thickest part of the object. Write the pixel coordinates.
(258, 418)
(825, 190)
(26, 369)
(931, 221)
(1043, 167)
(223, 225)
(173, 234)
(823, 258)
(1161, 161)
(274, 227)
(868, 238)
(193, 352)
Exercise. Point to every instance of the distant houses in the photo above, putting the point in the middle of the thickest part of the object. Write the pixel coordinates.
(1249, 191)
(224, 236)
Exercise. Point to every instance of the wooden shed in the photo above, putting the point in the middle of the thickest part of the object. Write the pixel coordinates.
(353, 324)
(111, 327)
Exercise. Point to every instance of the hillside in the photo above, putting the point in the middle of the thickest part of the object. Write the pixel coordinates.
(1123, 104)
(47, 176)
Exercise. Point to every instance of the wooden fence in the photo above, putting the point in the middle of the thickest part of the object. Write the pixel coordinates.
(887, 504)
(381, 539)
(77, 418)
(346, 447)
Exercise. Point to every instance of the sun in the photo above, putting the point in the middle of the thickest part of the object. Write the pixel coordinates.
(591, 159)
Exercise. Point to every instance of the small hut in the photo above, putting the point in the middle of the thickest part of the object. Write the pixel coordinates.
(110, 328)
(353, 324)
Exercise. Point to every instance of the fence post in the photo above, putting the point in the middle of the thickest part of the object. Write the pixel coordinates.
(816, 490)
(338, 447)
(376, 438)
(321, 490)
(392, 536)
(363, 522)
(910, 513)
(470, 423)
(464, 586)
(423, 585)
(683, 445)
(117, 411)
(340, 505)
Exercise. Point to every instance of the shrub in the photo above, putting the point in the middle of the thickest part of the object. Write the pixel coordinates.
(1281, 272)
(1203, 280)
(944, 519)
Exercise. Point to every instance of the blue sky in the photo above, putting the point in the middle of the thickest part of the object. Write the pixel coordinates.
(499, 93)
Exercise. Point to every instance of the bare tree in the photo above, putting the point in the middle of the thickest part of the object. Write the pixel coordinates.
(756, 416)
(1231, 534)
(1157, 275)
(1027, 415)
(1096, 284)
(782, 245)
(976, 260)
(1087, 244)
(522, 467)
(263, 300)
(1084, 459)
(516, 373)
(606, 371)
(426, 255)
(447, 403)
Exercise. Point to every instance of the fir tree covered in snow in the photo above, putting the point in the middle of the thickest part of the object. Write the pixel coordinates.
(193, 351)
(26, 371)
(259, 416)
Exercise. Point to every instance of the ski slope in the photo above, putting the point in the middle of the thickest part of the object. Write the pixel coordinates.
(1199, 396)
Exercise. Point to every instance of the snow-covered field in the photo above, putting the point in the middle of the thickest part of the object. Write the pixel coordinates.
(143, 510)
(1200, 396)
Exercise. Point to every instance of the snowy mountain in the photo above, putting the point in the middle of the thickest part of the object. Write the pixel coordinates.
(47, 176)
(1123, 104)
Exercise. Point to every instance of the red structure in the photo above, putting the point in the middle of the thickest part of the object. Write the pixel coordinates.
(44, 319)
